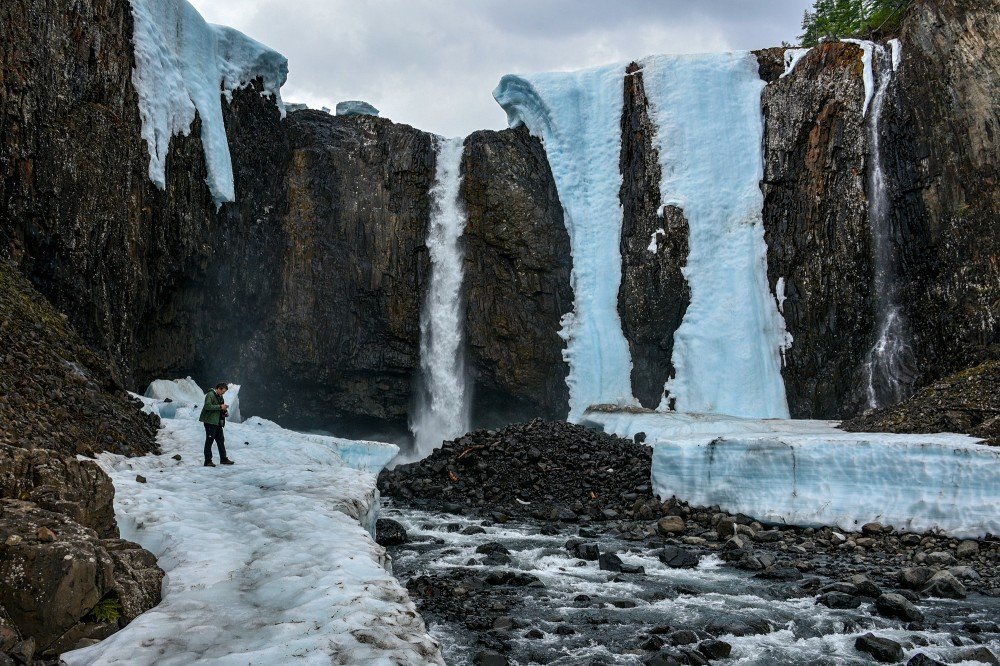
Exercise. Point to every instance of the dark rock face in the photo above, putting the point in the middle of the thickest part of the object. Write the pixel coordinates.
(517, 279)
(816, 227)
(943, 151)
(342, 339)
(653, 295)
(55, 392)
(967, 402)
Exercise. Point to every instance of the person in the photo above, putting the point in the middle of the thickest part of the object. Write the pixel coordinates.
(213, 415)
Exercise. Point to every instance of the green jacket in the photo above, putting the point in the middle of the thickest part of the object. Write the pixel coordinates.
(211, 413)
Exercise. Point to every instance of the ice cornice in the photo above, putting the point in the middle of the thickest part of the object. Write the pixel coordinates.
(183, 67)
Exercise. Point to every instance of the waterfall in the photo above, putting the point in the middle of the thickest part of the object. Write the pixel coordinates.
(890, 367)
(442, 405)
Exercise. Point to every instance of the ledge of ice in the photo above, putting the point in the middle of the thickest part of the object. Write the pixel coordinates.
(792, 58)
(184, 65)
(268, 561)
(809, 473)
(356, 108)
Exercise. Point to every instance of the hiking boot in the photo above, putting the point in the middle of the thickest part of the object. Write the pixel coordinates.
(209, 463)
(227, 461)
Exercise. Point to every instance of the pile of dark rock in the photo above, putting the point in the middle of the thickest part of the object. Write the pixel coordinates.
(546, 470)
(966, 402)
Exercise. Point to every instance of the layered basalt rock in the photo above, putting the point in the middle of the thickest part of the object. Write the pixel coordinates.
(654, 294)
(517, 278)
(942, 149)
(342, 338)
(816, 227)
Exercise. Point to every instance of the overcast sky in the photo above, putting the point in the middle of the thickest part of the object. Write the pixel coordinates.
(434, 63)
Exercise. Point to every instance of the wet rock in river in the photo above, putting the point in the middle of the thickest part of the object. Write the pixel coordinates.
(884, 650)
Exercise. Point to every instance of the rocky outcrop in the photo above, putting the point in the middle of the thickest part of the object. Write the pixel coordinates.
(341, 341)
(943, 151)
(967, 402)
(61, 584)
(56, 393)
(517, 279)
(654, 294)
(816, 227)
(60, 555)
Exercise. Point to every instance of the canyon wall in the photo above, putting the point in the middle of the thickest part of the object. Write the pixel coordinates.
(308, 289)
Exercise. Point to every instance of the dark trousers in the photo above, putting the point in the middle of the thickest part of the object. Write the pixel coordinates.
(214, 433)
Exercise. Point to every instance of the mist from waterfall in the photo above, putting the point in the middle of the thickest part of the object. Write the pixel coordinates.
(442, 409)
(890, 368)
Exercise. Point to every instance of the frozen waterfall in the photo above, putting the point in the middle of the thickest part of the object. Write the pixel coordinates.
(577, 115)
(442, 409)
(890, 367)
(710, 126)
(707, 111)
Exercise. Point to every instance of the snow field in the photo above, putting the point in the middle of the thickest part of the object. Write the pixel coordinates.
(577, 115)
(184, 65)
(809, 473)
(268, 560)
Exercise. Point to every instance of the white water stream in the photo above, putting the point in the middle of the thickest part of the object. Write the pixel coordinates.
(442, 409)
(890, 366)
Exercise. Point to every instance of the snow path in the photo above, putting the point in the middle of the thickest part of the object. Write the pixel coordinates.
(268, 560)
(709, 133)
(577, 115)
(810, 473)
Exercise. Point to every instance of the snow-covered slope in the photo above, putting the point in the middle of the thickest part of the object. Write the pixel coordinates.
(709, 136)
(577, 115)
(268, 561)
(184, 65)
(810, 473)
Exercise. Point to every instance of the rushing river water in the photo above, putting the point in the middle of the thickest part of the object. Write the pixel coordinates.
(579, 614)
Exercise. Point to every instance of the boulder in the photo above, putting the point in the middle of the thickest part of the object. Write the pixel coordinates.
(944, 584)
(898, 607)
(389, 532)
(883, 650)
(670, 525)
(678, 558)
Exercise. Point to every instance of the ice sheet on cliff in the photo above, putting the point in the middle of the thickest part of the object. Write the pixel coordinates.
(577, 115)
(709, 137)
(709, 133)
(810, 473)
(184, 65)
(268, 561)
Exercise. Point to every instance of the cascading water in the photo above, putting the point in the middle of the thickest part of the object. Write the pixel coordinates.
(442, 409)
(890, 368)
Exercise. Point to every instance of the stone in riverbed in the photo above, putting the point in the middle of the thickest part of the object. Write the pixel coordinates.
(914, 578)
(389, 532)
(881, 649)
(714, 649)
(898, 607)
(967, 549)
(866, 586)
(678, 558)
(921, 659)
(670, 525)
(610, 562)
(944, 584)
(838, 600)
(489, 658)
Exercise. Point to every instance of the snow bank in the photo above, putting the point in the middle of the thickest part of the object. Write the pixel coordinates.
(577, 115)
(792, 57)
(709, 133)
(184, 65)
(810, 473)
(267, 561)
